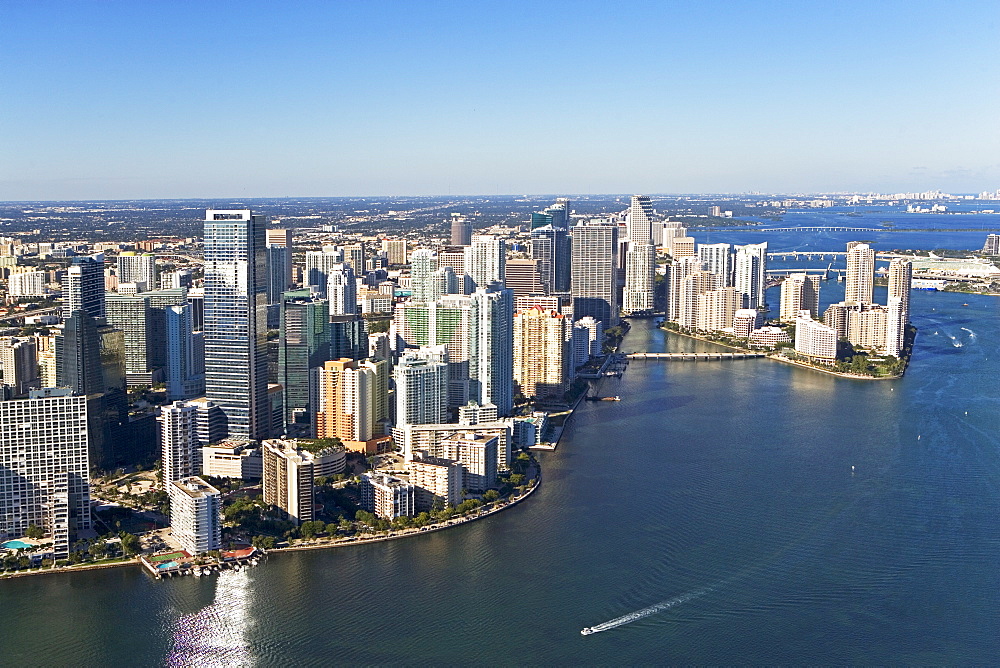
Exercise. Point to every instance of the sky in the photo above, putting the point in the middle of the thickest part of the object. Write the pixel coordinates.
(157, 99)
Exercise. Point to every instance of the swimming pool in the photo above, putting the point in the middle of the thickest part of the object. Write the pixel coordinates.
(169, 564)
(15, 545)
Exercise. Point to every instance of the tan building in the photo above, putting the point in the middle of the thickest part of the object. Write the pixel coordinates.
(386, 496)
(859, 281)
(866, 325)
(695, 284)
(290, 467)
(353, 403)
(540, 359)
(717, 308)
(477, 452)
(799, 292)
(436, 480)
(682, 247)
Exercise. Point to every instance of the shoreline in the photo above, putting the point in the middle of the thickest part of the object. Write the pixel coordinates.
(778, 358)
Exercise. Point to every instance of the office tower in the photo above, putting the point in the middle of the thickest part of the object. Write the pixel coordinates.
(594, 274)
(195, 515)
(319, 264)
(436, 481)
(718, 259)
(78, 355)
(717, 308)
(639, 222)
(859, 281)
(348, 337)
(133, 316)
(279, 264)
(138, 268)
(750, 273)
(354, 255)
(540, 219)
(587, 340)
(798, 292)
(45, 466)
(196, 298)
(179, 441)
(992, 245)
(26, 282)
(745, 320)
(185, 354)
(694, 284)
(304, 344)
(485, 262)
(19, 364)
(640, 279)
(813, 338)
(181, 278)
(678, 271)
(423, 264)
(235, 310)
(491, 358)
(453, 257)
(540, 353)
(351, 403)
(523, 277)
(83, 287)
(342, 290)
(386, 496)
(898, 305)
(477, 452)
(395, 251)
(421, 379)
(461, 230)
(550, 247)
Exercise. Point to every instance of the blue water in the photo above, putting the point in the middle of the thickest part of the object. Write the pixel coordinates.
(718, 496)
(15, 545)
(169, 564)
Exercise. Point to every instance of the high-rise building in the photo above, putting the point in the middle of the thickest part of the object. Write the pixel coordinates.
(640, 274)
(477, 452)
(179, 442)
(718, 259)
(717, 308)
(750, 274)
(354, 255)
(799, 292)
(235, 320)
(19, 364)
(421, 379)
(395, 251)
(540, 353)
(485, 262)
(594, 273)
(639, 222)
(342, 290)
(683, 247)
(550, 246)
(992, 245)
(859, 281)
(745, 320)
(138, 268)
(304, 344)
(288, 479)
(524, 277)
(83, 287)
(134, 317)
(436, 481)
(813, 338)
(679, 270)
(491, 358)
(386, 496)
(185, 354)
(692, 286)
(866, 325)
(351, 403)
(423, 264)
(587, 341)
(898, 305)
(195, 514)
(319, 264)
(461, 230)
(45, 466)
(279, 264)
(26, 282)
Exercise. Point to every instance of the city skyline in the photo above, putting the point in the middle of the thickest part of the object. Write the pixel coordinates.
(115, 102)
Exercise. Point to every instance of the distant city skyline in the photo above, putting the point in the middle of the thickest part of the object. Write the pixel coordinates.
(149, 101)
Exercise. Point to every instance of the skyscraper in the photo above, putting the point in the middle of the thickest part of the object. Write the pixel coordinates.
(550, 246)
(342, 289)
(594, 273)
(422, 386)
(485, 261)
(319, 264)
(461, 230)
(799, 292)
(136, 268)
(898, 316)
(859, 281)
(718, 259)
(750, 274)
(491, 361)
(235, 320)
(83, 287)
(640, 279)
(304, 344)
(185, 354)
(540, 353)
(639, 223)
(423, 264)
(279, 264)
(351, 398)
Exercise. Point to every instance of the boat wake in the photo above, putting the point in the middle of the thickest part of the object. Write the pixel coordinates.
(972, 334)
(645, 612)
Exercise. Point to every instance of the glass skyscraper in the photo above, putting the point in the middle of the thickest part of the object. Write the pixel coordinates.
(236, 319)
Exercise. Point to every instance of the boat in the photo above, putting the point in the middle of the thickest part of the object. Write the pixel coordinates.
(587, 631)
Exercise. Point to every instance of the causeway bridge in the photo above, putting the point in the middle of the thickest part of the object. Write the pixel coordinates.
(694, 357)
(820, 229)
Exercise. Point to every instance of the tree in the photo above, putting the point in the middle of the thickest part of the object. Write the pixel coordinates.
(491, 495)
(34, 532)
(130, 543)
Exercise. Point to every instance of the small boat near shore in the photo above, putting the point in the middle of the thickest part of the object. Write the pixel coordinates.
(587, 631)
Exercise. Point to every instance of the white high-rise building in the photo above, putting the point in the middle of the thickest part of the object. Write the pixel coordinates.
(236, 320)
(898, 316)
(718, 259)
(83, 287)
(695, 284)
(679, 270)
(386, 496)
(859, 281)
(750, 273)
(44, 466)
(587, 339)
(640, 275)
(436, 480)
(26, 282)
(798, 292)
(639, 223)
(195, 515)
(421, 378)
(485, 261)
(491, 358)
(594, 275)
(180, 447)
(138, 268)
(813, 338)
(423, 264)
(717, 308)
(342, 290)
(319, 264)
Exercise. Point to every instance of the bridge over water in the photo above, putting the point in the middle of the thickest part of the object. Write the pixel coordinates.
(694, 357)
(820, 229)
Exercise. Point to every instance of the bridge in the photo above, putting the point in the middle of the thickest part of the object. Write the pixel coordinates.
(822, 255)
(694, 357)
(820, 229)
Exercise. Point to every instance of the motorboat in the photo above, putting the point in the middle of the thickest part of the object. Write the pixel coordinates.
(587, 631)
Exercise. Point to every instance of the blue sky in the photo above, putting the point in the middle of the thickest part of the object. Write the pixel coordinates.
(211, 99)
